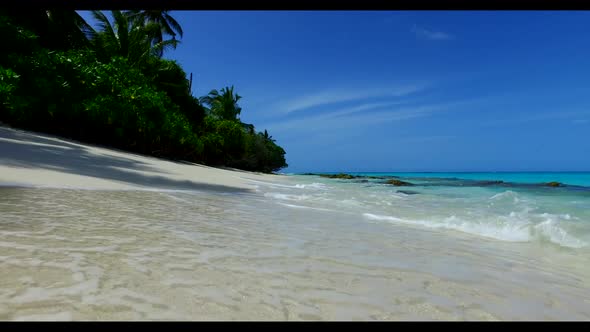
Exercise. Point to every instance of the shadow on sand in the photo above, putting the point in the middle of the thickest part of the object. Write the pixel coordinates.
(31, 150)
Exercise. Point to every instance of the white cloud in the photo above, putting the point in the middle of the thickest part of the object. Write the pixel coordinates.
(430, 34)
(363, 107)
(336, 120)
(344, 95)
(359, 117)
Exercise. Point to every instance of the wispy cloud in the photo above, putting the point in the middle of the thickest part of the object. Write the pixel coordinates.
(362, 116)
(344, 95)
(363, 108)
(333, 121)
(431, 34)
(573, 116)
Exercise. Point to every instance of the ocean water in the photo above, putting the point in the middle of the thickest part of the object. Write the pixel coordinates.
(571, 178)
(502, 206)
(301, 247)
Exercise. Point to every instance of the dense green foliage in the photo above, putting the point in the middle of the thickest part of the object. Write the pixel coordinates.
(112, 87)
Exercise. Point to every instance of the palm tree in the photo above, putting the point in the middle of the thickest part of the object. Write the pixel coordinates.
(223, 105)
(127, 38)
(168, 25)
(267, 137)
(57, 28)
(69, 27)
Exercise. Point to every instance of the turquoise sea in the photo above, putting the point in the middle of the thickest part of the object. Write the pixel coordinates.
(513, 207)
(570, 178)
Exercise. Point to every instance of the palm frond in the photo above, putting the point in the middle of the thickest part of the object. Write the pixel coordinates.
(159, 48)
(134, 15)
(86, 29)
(173, 24)
(103, 23)
(122, 27)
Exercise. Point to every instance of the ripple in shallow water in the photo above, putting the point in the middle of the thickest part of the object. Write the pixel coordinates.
(68, 254)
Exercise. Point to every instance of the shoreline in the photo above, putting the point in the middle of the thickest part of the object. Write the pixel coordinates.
(31, 159)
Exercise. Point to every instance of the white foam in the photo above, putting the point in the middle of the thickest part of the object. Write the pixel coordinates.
(371, 216)
(315, 185)
(565, 216)
(549, 229)
(287, 197)
(295, 206)
(270, 184)
(508, 195)
(511, 229)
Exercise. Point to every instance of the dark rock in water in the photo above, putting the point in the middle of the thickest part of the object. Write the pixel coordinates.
(361, 181)
(338, 176)
(554, 184)
(308, 174)
(488, 183)
(408, 192)
(370, 177)
(396, 182)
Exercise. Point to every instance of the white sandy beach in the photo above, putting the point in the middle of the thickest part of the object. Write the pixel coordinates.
(161, 240)
(40, 160)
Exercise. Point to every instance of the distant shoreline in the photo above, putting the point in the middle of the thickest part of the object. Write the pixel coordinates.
(521, 179)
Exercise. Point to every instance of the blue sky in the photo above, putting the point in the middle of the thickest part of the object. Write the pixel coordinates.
(403, 90)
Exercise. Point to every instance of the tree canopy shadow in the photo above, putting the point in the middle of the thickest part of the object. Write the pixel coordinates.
(22, 149)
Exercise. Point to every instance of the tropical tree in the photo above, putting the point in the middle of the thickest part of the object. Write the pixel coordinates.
(60, 29)
(68, 29)
(267, 137)
(223, 104)
(130, 39)
(119, 91)
(168, 76)
(168, 25)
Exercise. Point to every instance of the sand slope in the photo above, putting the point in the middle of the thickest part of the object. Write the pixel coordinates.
(40, 160)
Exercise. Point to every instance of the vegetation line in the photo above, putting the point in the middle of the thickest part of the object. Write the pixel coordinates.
(112, 86)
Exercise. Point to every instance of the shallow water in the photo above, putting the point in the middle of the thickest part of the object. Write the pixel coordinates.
(304, 249)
